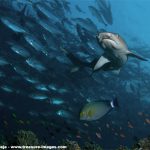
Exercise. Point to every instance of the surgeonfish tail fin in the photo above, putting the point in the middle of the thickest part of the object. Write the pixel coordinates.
(114, 103)
(137, 56)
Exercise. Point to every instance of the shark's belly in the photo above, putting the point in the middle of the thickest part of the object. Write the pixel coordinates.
(116, 62)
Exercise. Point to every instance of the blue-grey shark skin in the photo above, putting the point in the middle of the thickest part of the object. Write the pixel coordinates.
(115, 53)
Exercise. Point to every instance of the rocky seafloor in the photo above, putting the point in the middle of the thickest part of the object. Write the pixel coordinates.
(29, 138)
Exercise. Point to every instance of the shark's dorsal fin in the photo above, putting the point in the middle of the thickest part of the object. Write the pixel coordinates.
(101, 61)
(136, 56)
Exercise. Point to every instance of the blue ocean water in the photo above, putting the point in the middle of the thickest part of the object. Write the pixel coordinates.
(46, 47)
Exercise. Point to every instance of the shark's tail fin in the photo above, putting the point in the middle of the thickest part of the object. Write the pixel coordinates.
(137, 56)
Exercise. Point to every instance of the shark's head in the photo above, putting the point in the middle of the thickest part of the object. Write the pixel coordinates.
(111, 41)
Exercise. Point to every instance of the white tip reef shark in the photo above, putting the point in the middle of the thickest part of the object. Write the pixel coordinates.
(115, 54)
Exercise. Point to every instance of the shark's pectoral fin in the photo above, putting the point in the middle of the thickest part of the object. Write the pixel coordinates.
(93, 62)
(137, 56)
(101, 61)
(116, 71)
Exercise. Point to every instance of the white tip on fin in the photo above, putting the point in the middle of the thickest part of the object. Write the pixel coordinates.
(102, 60)
(116, 71)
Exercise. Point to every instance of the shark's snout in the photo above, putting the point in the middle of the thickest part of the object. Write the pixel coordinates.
(103, 35)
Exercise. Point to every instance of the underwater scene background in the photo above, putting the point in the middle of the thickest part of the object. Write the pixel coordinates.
(41, 90)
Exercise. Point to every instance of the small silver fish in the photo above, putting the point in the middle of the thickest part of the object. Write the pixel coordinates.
(14, 26)
(56, 101)
(32, 62)
(64, 114)
(3, 61)
(20, 50)
(38, 96)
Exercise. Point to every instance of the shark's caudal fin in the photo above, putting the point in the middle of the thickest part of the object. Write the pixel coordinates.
(137, 56)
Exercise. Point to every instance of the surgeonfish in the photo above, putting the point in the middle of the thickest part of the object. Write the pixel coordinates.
(98, 109)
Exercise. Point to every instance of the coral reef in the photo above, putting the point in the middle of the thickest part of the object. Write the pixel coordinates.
(123, 148)
(143, 144)
(91, 146)
(71, 145)
(3, 140)
(26, 138)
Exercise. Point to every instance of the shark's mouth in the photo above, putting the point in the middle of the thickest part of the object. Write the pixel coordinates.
(109, 39)
(109, 36)
(104, 37)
